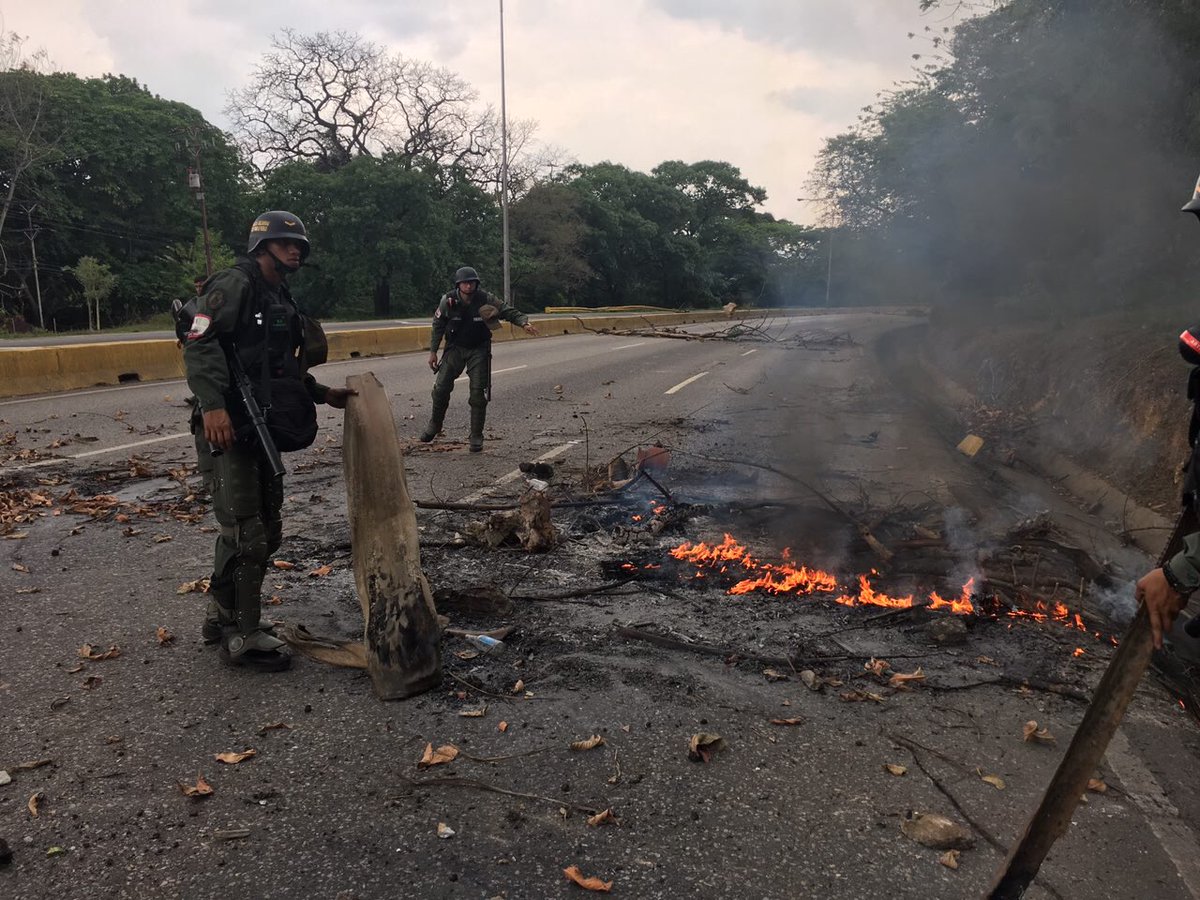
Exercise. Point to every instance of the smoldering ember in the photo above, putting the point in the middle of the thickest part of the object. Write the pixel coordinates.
(766, 607)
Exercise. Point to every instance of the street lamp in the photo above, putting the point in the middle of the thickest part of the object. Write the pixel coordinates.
(504, 161)
(829, 240)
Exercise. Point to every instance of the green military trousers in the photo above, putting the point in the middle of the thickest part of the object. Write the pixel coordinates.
(248, 503)
(454, 360)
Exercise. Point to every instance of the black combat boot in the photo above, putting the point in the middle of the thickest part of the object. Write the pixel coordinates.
(436, 415)
(478, 417)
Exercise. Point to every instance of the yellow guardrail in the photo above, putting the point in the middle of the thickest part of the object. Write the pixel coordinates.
(42, 370)
(591, 310)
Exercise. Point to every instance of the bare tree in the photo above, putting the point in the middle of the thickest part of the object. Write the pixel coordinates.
(25, 141)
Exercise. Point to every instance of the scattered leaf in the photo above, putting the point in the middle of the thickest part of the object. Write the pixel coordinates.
(519, 686)
(164, 635)
(702, 746)
(33, 804)
(17, 567)
(601, 817)
(477, 713)
(936, 831)
(233, 757)
(1033, 733)
(774, 675)
(589, 884)
(162, 538)
(275, 726)
(275, 600)
(502, 727)
(588, 744)
(284, 564)
(994, 780)
(877, 666)
(87, 651)
(55, 851)
(92, 681)
(1096, 786)
(78, 667)
(466, 654)
(985, 661)
(795, 721)
(895, 769)
(443, 754)
(856, 695)
(320, 571)
(903, 679)
(200, 789)
(811, 680)
(949, 859)
(31, 765)
(16, 536)
(444, 831)
(199, 586)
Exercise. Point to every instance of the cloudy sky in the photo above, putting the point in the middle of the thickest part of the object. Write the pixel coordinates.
(757, 83)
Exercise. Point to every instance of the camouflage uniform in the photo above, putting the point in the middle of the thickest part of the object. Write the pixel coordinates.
(468, 346)
(239, 309)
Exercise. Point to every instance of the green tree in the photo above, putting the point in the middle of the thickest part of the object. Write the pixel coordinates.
(97, 281)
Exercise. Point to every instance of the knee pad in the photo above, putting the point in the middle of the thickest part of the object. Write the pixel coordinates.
(252, 542)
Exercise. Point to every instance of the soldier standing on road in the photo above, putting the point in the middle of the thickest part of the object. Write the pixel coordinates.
(466, 318)
(246, 310)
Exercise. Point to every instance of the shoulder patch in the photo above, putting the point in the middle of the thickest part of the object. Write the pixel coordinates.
(438, 313)
(199, 326)
(215, 299)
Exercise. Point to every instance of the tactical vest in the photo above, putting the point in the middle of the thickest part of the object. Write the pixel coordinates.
(466, 327)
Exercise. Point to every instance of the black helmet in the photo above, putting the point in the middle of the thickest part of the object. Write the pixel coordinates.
(466, 273)
(1193, 205)
(278, 224)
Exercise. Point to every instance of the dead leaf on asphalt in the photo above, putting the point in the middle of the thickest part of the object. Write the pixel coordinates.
(774, 675)
(162, 538)
(87, 651)
(877, 666)
(31, 765)
(703, 745)
(164, 635)
(949, 859)
(275, 726)
(936, 831)
(443, 754)
(857, 695)
(92, 681)
(588, 743)
(17, 536)
(33, 804)
(903, 679)
(587, 883)
(1096, 786)
(895, 769)
(284, 564)
(199, 586)
(200, 789)
(320, 571)
(795, 721)
(503, 726)
(17, 567)
(519, 686)
(812, 680)
(994, 780)
(601, 817)
(477, 713)
(1040, 735)
(444, 831)
(233, 758)
(78, 667)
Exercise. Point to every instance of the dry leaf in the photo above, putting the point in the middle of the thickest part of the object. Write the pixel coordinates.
(200, 586)
(443, 754)
(857, 694)
(774, 675)
(519, 686)
(284, 564)
(76, 668)
(1096, 786)
(994, 780)
(477, 713)
(985, 661)
(31, 765)
(320, 571)
(949, 859)
(444, 831)
(92, 681)
(87, 651)
(200, 789)
(1033, 733)
(936, 831)
(902, 679)
(811, 680)
(895, 769)
(590, 884)
(276, 726)
(233, 758)
(601, 817)
(16, 536)
(503, 726)
(164, 635)
(33, 803)
(466, 654)
(795, 721)
(162, 538)
(588, 744)
(702, 746)
(17, 567)
(877, 666)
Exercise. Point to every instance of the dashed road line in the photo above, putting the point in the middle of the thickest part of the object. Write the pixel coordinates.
(41, 463)
(683, 384)
(516, 473)
(496, 372)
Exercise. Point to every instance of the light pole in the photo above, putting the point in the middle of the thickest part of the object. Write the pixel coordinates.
(504, 161)
(829, 240)
(196, 184)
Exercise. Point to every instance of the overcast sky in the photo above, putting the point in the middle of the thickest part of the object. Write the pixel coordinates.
(756, 83)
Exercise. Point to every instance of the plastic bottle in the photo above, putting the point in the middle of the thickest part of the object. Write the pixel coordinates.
(485, 643)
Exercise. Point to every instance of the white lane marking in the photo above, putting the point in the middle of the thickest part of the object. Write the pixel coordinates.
(516, 473)
(627, 346)
(748, 352)
(683, 384)
(124, 387)
(497, 372)
(100, 452)
(1147, 795)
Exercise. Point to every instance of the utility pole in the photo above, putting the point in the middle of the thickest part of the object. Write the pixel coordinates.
(31, 232)
(504, 162)
(196, 185)
(832, 227)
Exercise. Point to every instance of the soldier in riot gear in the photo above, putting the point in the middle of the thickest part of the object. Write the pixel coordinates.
(246, 315)
(466, 318)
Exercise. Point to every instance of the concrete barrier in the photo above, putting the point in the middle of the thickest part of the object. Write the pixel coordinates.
(42, 370)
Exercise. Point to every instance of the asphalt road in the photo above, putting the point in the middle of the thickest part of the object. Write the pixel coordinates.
(328, 807)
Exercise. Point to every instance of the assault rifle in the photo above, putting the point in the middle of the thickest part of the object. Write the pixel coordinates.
(258, 419)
